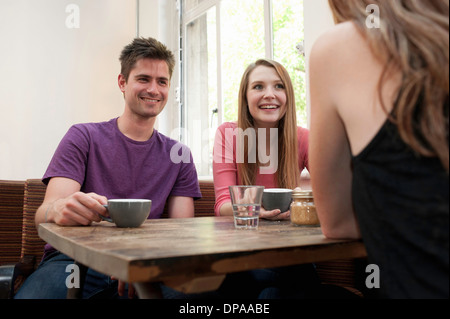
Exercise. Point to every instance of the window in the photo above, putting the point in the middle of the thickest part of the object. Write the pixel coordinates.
(219, 38)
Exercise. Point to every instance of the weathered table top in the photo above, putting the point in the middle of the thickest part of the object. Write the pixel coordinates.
(203, 246)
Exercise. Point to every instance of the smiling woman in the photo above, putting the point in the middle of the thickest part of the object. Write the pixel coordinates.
(266, 100)
(220, 38)
(266, 97)
(266, 104)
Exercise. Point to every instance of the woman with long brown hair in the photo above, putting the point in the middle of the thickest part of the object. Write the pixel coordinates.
(267, 124)
(379, 148)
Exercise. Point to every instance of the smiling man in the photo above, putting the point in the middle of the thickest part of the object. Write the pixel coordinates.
(125, 157)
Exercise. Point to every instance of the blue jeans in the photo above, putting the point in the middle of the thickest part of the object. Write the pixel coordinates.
(48, 281)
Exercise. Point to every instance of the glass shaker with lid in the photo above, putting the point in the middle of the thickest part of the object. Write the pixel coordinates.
(303, 209)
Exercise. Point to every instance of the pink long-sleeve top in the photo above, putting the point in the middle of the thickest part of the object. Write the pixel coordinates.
(225, 171)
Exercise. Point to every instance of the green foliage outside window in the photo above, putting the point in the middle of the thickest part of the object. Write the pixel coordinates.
(288, 31)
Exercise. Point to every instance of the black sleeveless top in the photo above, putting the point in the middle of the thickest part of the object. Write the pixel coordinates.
(401, 202)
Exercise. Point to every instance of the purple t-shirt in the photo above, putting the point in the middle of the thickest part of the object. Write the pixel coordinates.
(104, 161)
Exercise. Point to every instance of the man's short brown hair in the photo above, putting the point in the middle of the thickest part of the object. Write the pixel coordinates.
(142, 48)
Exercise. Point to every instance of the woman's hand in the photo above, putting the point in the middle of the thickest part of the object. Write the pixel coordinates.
(275, 214)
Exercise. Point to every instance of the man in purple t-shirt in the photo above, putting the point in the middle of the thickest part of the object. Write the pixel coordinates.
(121, 158)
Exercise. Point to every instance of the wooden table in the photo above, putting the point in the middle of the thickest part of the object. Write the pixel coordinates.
(194, 254)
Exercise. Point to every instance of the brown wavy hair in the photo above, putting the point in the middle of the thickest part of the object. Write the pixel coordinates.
(413, 37)
(288, 173)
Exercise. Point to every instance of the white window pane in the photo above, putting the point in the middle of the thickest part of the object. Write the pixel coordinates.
(191, 4)
(242, 43)
(288, 31)
(200, 87)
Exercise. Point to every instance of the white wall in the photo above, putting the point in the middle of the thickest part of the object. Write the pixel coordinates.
(159, 19)
(54, 76)
(318, 18)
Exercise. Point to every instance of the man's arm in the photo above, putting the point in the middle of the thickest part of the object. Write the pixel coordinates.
(180, 207)
(64, 204)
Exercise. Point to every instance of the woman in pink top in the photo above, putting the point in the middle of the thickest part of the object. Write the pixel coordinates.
(266, 112)
(245, 155)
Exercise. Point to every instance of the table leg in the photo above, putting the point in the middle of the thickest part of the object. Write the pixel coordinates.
(77, 293)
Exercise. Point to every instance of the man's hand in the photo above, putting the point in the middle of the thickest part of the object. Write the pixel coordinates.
(64, 204)
(77, 209)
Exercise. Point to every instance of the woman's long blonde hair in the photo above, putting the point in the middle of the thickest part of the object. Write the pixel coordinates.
(288, 173)
(414, 37)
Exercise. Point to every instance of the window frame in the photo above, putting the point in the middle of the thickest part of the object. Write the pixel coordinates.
(195, 13)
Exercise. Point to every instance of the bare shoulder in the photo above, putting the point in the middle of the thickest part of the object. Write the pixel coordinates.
(337, 54)
(343, 52)
(341, 43)
(335, 35)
